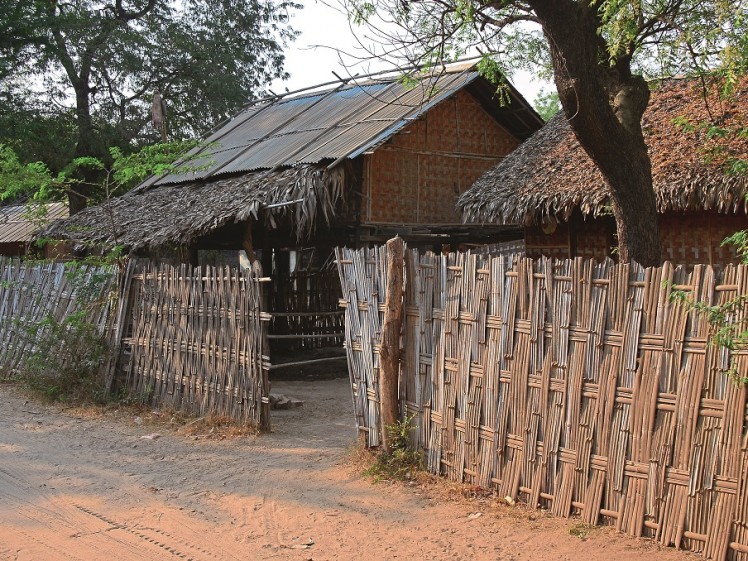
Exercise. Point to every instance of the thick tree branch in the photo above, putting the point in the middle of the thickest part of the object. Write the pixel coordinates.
(125, 15)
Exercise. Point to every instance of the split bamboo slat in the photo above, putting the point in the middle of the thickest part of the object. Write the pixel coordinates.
(196, 341)
(577, 386)
(32, 292)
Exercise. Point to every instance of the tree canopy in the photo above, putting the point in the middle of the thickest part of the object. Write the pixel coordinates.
(85, 71)
(601, 54)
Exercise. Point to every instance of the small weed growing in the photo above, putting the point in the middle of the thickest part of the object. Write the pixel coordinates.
(581, 530)
(401, 462)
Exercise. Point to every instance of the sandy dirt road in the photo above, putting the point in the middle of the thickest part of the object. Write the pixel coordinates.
(89, 489)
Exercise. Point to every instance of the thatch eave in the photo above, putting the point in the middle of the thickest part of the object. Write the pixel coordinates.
(550, 175)
(172, 215)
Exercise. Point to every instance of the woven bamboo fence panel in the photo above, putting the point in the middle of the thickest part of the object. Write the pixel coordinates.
(363, 278)
(197, 341)
(32, 292)
(575, 386)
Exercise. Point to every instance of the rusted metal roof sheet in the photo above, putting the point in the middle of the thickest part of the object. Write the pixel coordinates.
(341, 122)
(16, 226)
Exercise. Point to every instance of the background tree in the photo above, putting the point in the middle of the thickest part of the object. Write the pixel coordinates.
(601, 53)
(546, 104)
(100, 62)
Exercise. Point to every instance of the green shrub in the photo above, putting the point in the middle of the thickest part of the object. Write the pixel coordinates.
(67, 361)
(401, 462)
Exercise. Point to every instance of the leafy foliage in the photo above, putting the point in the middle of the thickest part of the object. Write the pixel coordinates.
(66, 364)
(546, 104)
(401, 462)
(206, 57)
(37, 132)
(84, 72)
(20, 180)
(35, 182)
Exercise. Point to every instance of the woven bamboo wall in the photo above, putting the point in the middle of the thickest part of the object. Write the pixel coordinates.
(575, 386)
(696, 237)
(688, 238)
(31, 292)
(197, 340)
(418, 175)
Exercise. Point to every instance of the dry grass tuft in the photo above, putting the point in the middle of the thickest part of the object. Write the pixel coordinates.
(210, 427)
(364, 462)
(216, 427)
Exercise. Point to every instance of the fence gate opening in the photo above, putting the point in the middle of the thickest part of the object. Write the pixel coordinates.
(305, 333)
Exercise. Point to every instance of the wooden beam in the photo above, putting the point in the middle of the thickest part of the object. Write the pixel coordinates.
(307, 362)
(247, 244)
(389, 353)
(307, 336)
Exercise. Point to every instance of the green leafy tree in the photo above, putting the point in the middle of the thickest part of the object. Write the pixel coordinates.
(117, 174)
(546, 104)
(20, 180)
(36, 132)
(600, 53)
(102, 61)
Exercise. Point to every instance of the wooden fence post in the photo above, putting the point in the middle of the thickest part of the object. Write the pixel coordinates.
(389, 350)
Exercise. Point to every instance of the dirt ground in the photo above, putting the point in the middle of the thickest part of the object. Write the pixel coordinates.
(74, 487)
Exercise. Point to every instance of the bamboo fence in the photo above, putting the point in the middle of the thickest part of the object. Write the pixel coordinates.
(196, 340)
(576, 386)
(32, 294)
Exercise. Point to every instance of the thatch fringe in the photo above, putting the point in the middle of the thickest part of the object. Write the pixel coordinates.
(551, 175)
(178, 214)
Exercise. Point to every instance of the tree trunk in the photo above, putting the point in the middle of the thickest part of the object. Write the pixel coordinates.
(604, 104)
(389, 350)
(87, 145)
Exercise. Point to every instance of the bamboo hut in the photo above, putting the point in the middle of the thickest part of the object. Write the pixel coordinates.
(551, 187)
(290, 177)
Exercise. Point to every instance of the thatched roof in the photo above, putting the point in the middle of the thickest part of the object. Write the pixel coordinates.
(551, 175)
(178, 214)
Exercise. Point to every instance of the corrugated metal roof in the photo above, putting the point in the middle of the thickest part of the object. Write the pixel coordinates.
(342, 122)
(16, 227)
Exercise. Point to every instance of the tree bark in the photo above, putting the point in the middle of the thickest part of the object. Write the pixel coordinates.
(87, 145)
(604, 104)
(389, 349)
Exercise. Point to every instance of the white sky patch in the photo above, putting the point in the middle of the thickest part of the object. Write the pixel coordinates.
(314, 56)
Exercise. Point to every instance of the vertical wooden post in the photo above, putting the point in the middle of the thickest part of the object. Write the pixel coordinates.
(389, 350)
(247, 243)
(187, 254)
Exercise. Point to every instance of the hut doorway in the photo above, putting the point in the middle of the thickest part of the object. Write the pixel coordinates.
(305, 334)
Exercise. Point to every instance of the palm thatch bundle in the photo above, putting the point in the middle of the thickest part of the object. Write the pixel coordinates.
(694, 138)
(178, 214)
